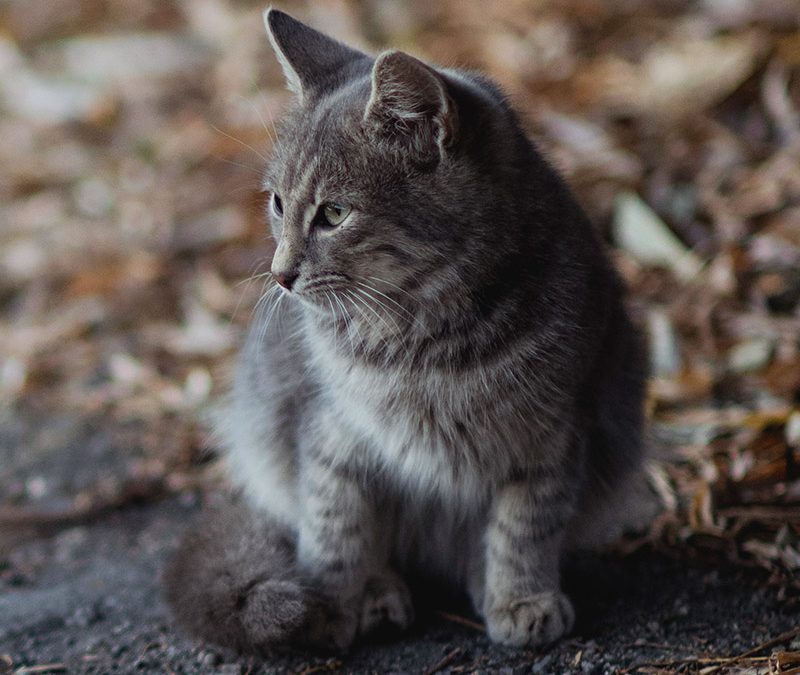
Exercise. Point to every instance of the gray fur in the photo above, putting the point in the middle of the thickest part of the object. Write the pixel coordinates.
(452, 383)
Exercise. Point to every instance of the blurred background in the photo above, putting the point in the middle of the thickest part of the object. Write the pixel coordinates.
(132, 139)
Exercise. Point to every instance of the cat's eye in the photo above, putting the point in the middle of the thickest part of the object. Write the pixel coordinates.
(333, 214)
(277, 205)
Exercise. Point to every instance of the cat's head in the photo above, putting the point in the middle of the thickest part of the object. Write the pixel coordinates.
(382, 175)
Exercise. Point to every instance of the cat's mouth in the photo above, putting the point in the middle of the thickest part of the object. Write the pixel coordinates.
(328, 292)
(329, 282)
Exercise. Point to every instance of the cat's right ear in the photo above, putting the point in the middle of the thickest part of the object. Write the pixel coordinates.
(410, 108)
(311, 61)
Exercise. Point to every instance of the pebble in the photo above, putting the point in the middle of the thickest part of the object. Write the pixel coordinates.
(209, 659)
(229, 669)
(85, 616)
(751, 355)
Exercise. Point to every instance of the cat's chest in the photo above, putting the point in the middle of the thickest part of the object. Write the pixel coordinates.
(429, 431)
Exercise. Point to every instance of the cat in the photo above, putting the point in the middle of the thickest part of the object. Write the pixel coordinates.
(447, 379)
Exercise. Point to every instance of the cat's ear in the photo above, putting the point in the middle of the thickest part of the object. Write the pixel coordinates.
(311, 61)
(410, 106)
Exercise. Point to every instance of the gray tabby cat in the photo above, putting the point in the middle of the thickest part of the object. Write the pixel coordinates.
(449, 381)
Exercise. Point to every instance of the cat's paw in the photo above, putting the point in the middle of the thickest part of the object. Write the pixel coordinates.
(333, 628)
(533, 621)
(386, 603)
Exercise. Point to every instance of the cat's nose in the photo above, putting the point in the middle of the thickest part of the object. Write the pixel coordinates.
(286, 280)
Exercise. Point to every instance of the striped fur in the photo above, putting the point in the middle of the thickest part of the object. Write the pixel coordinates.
(452, 382)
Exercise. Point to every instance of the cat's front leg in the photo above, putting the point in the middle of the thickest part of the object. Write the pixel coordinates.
(343, 547)
(522, 601)
(335, 548)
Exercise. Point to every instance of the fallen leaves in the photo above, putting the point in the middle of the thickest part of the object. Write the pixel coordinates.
(667, 81)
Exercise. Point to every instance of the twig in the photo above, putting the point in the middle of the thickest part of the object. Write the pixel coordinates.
(783, 637)
(462, 620)
(653, 645)
(760, 512)
(43, 668)
(445, 661)
(134, 491)
(144, 651)
(330, 664)
(717, 663)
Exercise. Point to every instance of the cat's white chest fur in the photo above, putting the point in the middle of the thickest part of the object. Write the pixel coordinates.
(420, 427)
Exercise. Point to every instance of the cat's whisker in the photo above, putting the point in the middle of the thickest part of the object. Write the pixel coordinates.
(265, 297)
(266, 305)
(254, 275)
(269, 303)
(274, 136)
(239, 141)
(383, 306)
(390, 299)
(334, 318)
(358, 303)
(253, 278)
(347, 323)
(353, 322)
(393, 285)
(383, 320)
(271, 137)
(250, 169)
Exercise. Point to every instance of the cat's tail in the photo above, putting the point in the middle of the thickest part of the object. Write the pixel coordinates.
(234, 581)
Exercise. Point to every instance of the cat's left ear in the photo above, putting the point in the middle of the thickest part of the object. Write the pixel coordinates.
(410, 107)
(311, 61)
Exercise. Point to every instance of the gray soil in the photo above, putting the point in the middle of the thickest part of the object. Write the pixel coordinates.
(86, 599)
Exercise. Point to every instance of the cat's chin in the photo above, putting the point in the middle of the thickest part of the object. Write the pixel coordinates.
(315, 302)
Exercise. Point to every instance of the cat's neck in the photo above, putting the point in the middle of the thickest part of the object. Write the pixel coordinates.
(448, 328)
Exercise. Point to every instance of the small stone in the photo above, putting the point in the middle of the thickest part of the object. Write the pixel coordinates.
(665, 356)
(542, 664)
(229, 669)
(751, 355)
(792, 431)
(85, 616)
(640, 232)
(118, 650)
(209, 659)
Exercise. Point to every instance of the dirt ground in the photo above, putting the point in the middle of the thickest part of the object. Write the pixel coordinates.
(83, 596)
(87, 600)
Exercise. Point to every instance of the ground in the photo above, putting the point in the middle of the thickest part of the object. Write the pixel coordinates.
(87, 600)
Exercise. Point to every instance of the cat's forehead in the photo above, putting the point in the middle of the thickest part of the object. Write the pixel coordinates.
(323, 145)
